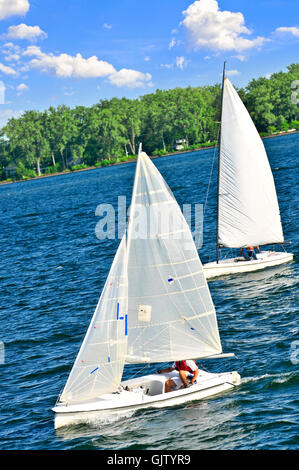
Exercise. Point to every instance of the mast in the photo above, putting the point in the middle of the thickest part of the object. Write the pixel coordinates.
(219, 152)
(132, 207)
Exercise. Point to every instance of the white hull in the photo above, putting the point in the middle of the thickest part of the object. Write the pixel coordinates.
(238, 265)
(144, 392)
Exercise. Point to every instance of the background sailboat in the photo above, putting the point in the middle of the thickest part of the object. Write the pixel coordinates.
(247, 207)
(155, 307)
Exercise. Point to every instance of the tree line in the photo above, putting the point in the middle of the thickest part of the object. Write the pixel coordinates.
(64, 139)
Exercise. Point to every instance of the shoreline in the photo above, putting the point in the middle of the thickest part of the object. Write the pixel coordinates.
(134, 160)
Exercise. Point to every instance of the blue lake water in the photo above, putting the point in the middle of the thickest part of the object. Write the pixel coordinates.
(52, 270)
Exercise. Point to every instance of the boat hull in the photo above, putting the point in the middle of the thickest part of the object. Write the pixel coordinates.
(238, 265)
(129, 401)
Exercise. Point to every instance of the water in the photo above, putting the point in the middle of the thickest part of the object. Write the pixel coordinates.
(52, 269)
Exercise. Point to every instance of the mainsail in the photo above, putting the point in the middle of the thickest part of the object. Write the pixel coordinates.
(171, 315)
(248, 211)
(99, 365)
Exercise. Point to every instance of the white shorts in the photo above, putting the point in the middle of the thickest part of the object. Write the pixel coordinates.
(175, 377)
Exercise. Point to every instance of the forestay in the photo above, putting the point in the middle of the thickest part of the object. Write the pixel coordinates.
(99, 365)
(248, 208)
(171, 315)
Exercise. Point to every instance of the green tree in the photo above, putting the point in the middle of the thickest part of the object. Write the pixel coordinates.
(111, 132)
(62, 130)
(158, 119)
(28, 134)
(259, 103)
(5, 156)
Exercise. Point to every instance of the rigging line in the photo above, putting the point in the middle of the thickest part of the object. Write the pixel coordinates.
(210, 177)
(140, 370)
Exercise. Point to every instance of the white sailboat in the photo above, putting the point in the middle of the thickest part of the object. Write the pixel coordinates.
(248, 212)
(155, 307)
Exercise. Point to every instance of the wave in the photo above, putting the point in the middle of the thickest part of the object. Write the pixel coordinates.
(286, 378)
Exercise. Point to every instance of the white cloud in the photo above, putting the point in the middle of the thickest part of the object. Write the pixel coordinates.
(33, 51)
(21, 88)
(288, 29)
(130, 78)
(10, 45)
(231, 73)
(210, 28)
(239, 57)
(180, 62)
(7, 70)
(147, 58)
(12, 57)
(107, 26)
(22, 31)
(7, 114)
(166, 66)
(172, 43)
(13, 7)
(65, 66)
(11, 51)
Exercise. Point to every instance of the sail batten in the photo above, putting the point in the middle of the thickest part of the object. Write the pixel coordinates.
(248, 211)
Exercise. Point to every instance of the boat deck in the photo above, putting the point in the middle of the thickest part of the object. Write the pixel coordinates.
(238, 264)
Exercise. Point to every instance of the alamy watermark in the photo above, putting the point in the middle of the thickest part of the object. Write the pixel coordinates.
(161, 220)
(295, 94)
(2, 92)
(295, 352)
(2, 353)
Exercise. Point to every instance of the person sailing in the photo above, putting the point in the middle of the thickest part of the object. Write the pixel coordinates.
(182, 373)
(249, 253)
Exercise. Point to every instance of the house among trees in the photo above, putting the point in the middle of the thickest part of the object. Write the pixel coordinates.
(180, 144)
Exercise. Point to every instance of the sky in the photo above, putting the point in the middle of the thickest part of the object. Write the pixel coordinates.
(76, 52)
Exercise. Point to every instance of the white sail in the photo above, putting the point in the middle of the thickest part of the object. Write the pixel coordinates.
(248, 212)
(99, 365)
(171, 315)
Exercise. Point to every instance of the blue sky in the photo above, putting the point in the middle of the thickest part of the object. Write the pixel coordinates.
(76, 52)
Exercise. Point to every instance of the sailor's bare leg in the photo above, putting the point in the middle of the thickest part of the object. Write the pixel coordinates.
(168, 385)
(183, 377)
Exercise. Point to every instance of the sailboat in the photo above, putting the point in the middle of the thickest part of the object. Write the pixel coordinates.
(247, 207)
(155, 307)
